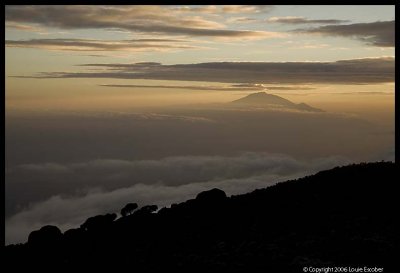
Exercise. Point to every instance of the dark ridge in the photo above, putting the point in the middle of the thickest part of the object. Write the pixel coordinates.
(262, 99)
(343, 217)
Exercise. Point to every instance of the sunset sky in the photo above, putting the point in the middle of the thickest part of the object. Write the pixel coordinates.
(62, 56)
(107, 105)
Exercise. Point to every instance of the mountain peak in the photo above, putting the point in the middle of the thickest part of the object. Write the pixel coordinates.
(263, 99)
(261, 93)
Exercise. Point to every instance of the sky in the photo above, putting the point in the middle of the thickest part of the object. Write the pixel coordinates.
(107, 105)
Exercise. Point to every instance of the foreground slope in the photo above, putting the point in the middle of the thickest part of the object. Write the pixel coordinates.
(340, 217)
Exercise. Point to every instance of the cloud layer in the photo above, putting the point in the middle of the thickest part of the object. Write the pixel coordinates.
(102, 45)
(113, 183)
(40, 154)
(294, 20)
(145, 19)
(380, 34)
(233, 87)
(356, 71)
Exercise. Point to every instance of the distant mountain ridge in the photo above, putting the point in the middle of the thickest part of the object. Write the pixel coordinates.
(263, 99)
(340, 217)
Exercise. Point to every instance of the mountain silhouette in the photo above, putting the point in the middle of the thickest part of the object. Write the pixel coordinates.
(341, 217)
(262, 99)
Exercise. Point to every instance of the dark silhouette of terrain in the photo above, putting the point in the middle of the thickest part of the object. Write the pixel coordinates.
(340, 217)
(262, 99)
(128, 209)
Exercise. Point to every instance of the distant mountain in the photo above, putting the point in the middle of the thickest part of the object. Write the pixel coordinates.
(262, 99)
(343, 217)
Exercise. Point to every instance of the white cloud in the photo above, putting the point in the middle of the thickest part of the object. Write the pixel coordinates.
(161, 182)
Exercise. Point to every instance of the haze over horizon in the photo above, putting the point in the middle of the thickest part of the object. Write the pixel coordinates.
(107, 105)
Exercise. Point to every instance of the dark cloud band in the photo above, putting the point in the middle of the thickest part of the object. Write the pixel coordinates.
(301, 20)
(357, 71)
(100, 45)
(377, 33)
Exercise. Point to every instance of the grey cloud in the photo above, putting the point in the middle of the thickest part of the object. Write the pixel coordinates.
(233, 87)
(162, 117)
(302, 20)
(148, 19)
(268, 87)
(212, 9)
(24, 27)
(136, 66)
(242, 20)
(75, 16)
(381, 33)
(235, 175)
(36, 182)
(100, 45)
(246, 8)
(96, 55)
(373, 93)
(202, 130)
(368, 70)
(195, 31)
(139, 157)
(134, 136)
(185, 87)
(46, 167)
